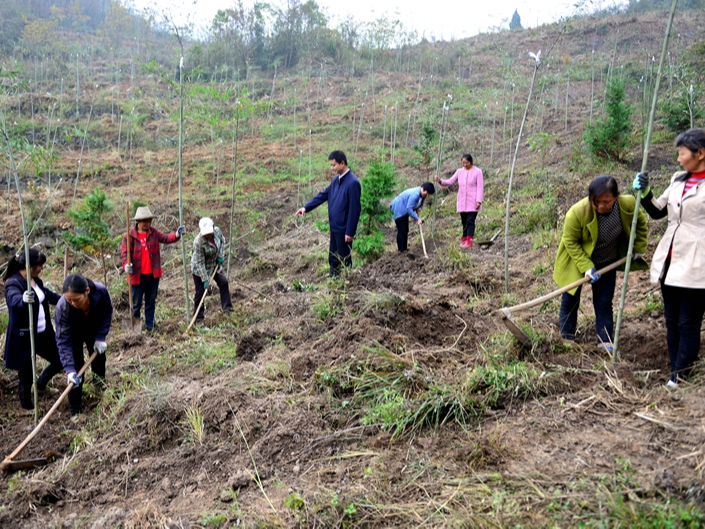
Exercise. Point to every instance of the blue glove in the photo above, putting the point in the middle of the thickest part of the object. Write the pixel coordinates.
(641, 183)
(205, 285)
(180, 230)
(219, 260)
(75, 379)
(593, 275)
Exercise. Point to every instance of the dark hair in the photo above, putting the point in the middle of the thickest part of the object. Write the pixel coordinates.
(692, 139)
(19, 262)
(338, 156)
(467, 157)
(428, 187)
(77, 284)
(601, 185)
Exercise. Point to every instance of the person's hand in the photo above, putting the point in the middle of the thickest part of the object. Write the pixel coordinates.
(478, 205)
(641, 183)
(638, 256)
(205, 285)
(348, 239)
(435, 177)
(128, 268)
(74, 378)
(419, 222)
(300, 212)
(28, 297)
(219, 260)
(593, 275)
(180, 230)
(100, 347)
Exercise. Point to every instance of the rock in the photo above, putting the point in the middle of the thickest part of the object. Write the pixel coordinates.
(240, 480)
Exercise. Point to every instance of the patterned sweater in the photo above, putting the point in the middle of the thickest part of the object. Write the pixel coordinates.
(206, 253)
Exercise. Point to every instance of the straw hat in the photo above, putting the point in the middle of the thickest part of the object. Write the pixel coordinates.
(143, 213)
(205, 225)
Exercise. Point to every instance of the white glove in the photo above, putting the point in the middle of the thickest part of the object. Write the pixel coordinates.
(75, 379)
(593, 275)
(28, 296)
(128, 268)
(638, 256)
(100, 347)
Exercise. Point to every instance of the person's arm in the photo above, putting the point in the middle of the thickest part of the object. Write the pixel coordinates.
(220, 244)
(480, 189)
(316, 201)
(354, 209)
(411, 202)
(166, 238)
(453, 179)
(64, 339)
(656, 208)
(105, 308)
(198, 262)
(123, 251)
(51, 296)
(572, 237)
(13, 296)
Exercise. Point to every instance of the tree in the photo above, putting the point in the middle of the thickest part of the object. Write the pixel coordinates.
(515, 22)
(611, 137)
(92, 233)
(377, 184)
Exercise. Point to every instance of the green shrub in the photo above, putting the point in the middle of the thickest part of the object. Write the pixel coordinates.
(377, 184)
(610, 137)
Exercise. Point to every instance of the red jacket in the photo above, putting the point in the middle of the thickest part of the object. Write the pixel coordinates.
(154, 237)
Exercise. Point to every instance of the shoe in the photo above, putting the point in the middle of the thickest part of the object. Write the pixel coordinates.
(605, 348)
(47, 391)
(464, 242)
(671, 384)
(468, 242)
(410, 256)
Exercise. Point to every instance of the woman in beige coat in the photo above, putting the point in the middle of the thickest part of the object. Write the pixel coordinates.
(679, 260)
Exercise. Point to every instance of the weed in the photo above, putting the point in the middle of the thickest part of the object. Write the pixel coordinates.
(294, 501)
(195, 423)
(214, 519)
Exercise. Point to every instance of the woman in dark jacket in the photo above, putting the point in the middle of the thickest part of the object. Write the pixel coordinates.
(83, 315)
(17, 340)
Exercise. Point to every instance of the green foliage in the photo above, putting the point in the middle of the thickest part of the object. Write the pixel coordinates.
(681, 110)
(515, 22)
(426, 144)
(92, 233)
(294, 501)
(610, 137)
(378, 184)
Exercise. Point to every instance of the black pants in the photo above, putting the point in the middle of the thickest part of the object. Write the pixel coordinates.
(402, 232)
(468, 220)
(97, 367)
(339, 253)
(602, 295)
(684, 309)
(147, 289)
(224, 289)
(46, 348)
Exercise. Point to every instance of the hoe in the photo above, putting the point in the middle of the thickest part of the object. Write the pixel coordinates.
(506, 312)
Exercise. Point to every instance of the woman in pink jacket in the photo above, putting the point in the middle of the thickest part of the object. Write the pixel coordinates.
(470, 192)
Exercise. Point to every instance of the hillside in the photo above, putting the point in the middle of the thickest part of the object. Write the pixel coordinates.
(394, 396)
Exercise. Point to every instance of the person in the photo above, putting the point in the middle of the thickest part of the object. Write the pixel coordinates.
(209, 254)
(677, 262)
(83, 316)
(470, 196)
(408, 204)
(343, 197)
(144, 271)
(596, 234)
(17, 339)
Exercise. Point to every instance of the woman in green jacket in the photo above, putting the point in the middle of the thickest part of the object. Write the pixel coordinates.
(595, 235)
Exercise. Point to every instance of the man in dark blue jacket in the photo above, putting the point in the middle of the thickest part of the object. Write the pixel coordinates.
(343, 197)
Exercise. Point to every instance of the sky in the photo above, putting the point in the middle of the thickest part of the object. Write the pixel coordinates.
(434, 19)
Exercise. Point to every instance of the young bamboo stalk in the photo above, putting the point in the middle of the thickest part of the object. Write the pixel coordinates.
(438, 165)
(80, 157)
(232, 192)
(181, 173)
(394, 135)
(647, 144)
(13, 168)
(537, 63)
